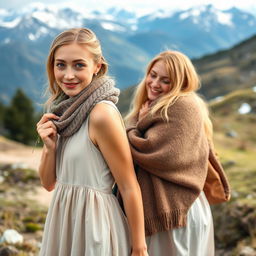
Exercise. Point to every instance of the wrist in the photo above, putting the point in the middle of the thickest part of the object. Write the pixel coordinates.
(142, 248)
(49, 150)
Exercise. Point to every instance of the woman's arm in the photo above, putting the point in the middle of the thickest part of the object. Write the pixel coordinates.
(48, 133)
(108, 134)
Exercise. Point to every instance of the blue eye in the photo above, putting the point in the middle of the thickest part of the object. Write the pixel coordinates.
(152, 75)
(79, 65)
(60, 65)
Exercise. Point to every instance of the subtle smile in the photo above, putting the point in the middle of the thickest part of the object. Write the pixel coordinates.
(70, 85)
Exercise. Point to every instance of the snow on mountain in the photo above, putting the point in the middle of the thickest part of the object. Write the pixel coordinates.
(204, 15)
(40, 32)
(128, 39)
(10, 24)
(112, 26)
(213, 14)
(8, 19)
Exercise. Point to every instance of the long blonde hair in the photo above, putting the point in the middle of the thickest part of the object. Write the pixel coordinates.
(184, 80)
(81, 36)
(208, 127)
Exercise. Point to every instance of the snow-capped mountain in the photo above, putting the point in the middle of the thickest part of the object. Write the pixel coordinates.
(202, 29)
(128, 40)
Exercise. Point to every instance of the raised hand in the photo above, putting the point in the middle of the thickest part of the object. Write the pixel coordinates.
(144, 110)
(47, 130)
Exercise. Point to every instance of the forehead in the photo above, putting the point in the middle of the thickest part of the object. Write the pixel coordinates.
(73, 51)
(160, 68)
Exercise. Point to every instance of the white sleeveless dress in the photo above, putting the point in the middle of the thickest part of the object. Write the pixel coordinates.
(196, 239)
(84, 217)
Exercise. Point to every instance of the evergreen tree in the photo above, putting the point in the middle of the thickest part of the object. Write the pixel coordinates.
(19, 119)
(2, 110)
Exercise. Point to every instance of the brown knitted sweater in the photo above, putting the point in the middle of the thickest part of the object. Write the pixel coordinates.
(171, 160)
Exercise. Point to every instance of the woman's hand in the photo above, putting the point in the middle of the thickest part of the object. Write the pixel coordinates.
(144, 110)
(47, 130)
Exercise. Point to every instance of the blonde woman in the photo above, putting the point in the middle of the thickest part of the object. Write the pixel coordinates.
(168, 129)
(85, 151)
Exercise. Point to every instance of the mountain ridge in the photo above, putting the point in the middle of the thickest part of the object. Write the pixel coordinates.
(128, 41)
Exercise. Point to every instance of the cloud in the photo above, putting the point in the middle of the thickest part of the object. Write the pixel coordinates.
(21, 3)
(136, 5)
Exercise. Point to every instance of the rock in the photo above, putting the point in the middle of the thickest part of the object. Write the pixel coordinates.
(8, 251)
(229, 163)
(247, 251)
(19, 166)
(231, 134)
(11, 236)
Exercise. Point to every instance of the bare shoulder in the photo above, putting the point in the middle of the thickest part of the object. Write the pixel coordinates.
(104, 115)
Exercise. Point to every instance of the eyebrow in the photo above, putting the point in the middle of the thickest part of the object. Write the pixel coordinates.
(78, 60)
(157, 73)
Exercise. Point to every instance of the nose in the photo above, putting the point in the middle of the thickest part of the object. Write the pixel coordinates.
(69, 74)
(155, 83)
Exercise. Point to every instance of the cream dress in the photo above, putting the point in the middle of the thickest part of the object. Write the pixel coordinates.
(196, 239)
(84, 217)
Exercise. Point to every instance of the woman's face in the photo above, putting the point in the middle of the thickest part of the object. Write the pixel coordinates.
(74, 68)
(158, 82)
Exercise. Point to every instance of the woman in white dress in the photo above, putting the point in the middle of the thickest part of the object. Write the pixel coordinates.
(85, 151)
(169, 138)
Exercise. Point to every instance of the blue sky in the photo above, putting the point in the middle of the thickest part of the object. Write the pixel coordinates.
(138, 5)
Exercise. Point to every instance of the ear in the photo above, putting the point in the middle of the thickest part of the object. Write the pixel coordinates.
(98, 67)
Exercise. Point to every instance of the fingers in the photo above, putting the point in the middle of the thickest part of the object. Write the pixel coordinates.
(46, 117)
(45, 127)
(48, 124)
(46, 133)
(146, 104)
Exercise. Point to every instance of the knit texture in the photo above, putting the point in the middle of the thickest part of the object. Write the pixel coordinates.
(74, 110)
(171, 160)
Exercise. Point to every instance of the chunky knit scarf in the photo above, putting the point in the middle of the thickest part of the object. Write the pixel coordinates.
(171, 160)
(74, 110)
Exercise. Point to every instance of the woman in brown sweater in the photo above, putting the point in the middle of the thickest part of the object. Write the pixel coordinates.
(169, 130)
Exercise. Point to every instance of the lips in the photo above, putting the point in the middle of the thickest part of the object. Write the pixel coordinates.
(70, 85)
(154, 91)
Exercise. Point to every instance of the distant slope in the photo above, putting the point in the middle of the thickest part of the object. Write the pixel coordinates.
(229, 70)
(234, 115)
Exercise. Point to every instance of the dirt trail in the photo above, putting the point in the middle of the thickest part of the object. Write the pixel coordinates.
(16, 153)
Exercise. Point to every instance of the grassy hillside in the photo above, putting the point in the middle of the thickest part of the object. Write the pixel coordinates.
(228, 118)
(235, 138)
(235, 142)
(229, 70)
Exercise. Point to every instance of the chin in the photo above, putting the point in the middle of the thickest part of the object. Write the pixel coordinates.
(152, 98)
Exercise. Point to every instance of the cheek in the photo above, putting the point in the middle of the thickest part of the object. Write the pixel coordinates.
(56, 73)
(166, 88)
(147, 82)
(147, 87)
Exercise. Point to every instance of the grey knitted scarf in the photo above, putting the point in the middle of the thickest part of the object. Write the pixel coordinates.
(74, 110)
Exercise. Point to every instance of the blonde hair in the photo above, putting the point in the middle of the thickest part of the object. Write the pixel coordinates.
(184, 80)
(208, 127)
(82, 36)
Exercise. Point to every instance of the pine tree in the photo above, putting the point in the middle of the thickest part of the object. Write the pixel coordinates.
(2, 110)
(19, 119)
